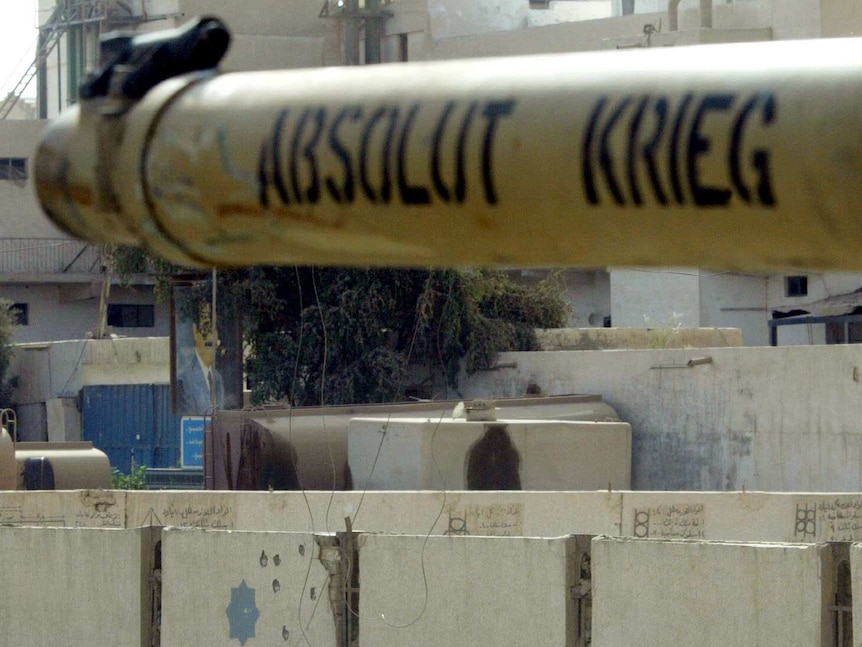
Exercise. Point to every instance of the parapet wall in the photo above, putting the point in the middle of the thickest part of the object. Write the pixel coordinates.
(775, 419)
(101, 568)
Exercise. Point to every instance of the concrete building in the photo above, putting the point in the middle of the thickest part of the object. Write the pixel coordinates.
(55, 281)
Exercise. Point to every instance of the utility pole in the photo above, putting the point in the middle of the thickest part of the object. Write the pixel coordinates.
(352, 27)
(373, 32)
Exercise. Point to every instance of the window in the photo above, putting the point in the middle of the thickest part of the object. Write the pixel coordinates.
(404, 47)
(131, 316)
(13, 168)
(795, 286)
(628, 7)
(20, 314)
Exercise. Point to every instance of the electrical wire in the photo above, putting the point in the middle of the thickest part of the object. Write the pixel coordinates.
(435, 463)
(323, 398)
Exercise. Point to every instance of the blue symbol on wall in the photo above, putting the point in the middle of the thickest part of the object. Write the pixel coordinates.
(242, 613)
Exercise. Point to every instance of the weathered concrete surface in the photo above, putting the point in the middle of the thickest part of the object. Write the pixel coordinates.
(773, 419)
(630, 338)
(75, 587)
(416, 513)
(466, 591)
(428, 454)
(657, 593)
(220, 586)
(319, 434)
(855, 558)
(70, 509)
(726, 516)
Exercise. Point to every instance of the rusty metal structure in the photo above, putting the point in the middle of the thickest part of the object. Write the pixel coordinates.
(81, 23)
(355, 16)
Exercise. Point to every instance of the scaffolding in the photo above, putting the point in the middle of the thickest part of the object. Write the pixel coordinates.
(356, 15)
(82, 22)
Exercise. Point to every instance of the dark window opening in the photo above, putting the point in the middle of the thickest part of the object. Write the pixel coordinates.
(13, 168)
(844, 333)
(131, 316)
(628, 7)
(842, 607)
(796, 286)
(404, 47)
(20, 314)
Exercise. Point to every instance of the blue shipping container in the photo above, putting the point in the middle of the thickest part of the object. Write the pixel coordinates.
(132, 422)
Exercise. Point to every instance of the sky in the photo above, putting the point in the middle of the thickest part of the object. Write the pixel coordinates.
(17, 42)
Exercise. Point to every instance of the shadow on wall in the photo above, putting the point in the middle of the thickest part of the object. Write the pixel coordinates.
(493, 463)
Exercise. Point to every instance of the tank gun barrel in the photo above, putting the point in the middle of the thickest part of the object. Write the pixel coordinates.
(743, 156)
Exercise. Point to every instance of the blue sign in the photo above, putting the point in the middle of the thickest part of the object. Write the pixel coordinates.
(192, 434)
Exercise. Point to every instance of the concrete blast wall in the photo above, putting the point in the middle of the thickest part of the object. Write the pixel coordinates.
(179, 587)
(221, 586)
(655, 593)
(730, 516)
(466, 591)
(774, 419)
(75, 587)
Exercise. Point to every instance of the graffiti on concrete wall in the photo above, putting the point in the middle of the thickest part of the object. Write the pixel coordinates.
(198, 510)
(83, 509)
(207, 515)
(671, 521)
(494, 520)
(829, 519)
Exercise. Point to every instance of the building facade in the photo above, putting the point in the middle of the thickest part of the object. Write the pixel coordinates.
(276, 35)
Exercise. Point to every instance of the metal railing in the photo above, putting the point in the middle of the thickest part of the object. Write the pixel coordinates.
(48, 256)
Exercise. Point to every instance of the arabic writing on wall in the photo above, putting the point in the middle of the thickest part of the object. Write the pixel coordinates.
(213, 516)
(494, 520)
(62, 511)
(838, 519)
(671, 521)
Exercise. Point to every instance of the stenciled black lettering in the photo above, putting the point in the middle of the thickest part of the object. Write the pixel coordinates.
(386, 181)
(634, 132)
(760, 157)
(436, 149)
(312, 192)
(461, 156)
(669, 143)
(699, 145)
(269, 165)
(263, 180)
(605, 155)
(493, 112)
(410, 193)
(587, 173)
(676, 181)
(294, 153)
(649, 152)
(735, 149)
(347, 191)
(364, 145)
(275, 150)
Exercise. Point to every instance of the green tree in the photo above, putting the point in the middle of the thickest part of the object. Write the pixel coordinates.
(336, 336)
(7, 336)
(350, 335)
